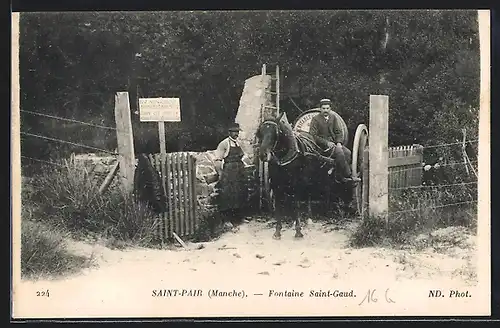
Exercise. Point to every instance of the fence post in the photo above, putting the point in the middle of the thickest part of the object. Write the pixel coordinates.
(365, 190)
(379, 156)
(420, 152)
(163, 153)
(125, 141)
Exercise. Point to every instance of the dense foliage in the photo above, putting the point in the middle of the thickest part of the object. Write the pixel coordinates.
(73, 63)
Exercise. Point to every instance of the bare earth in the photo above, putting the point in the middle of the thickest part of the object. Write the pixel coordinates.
(249, 257)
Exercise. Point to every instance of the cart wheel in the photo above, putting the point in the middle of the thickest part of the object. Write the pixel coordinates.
(358, 163)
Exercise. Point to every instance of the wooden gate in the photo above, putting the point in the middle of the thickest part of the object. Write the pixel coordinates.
(180, 185)
(405, 166)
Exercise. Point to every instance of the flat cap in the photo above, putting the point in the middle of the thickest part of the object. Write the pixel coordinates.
(234, 127)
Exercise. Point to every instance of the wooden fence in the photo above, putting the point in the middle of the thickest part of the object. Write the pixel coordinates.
(405, 166)
(180, 185)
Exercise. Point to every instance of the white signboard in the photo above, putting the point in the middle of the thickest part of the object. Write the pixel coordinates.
(159, 109)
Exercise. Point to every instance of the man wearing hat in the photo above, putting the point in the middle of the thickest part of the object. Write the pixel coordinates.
(327, 133)
(232, 179)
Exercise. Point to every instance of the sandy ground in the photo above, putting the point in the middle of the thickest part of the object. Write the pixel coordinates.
(248, 258)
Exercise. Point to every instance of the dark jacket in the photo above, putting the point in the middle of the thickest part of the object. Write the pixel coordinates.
(148, 185)
(325, 131)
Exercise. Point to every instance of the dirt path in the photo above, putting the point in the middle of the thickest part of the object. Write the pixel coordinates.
(250, 257)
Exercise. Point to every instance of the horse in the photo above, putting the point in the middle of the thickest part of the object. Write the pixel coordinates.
(298, 169)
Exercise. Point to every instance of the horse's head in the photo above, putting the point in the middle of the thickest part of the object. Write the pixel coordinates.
(268, 135)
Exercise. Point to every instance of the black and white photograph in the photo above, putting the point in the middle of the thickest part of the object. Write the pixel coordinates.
(250, 163)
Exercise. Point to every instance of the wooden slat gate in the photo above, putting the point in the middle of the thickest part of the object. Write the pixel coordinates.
(180, 184)
(405, 166)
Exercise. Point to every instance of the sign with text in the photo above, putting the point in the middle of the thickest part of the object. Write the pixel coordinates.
(304, 122)
(159, 109)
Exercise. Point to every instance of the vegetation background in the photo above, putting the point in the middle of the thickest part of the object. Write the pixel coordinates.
(72, 64)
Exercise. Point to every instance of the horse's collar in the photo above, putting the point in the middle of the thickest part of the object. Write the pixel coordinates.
(271, 122)
(287, 161)
(290, 155)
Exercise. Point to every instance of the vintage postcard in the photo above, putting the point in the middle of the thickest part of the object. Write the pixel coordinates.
(250, 163)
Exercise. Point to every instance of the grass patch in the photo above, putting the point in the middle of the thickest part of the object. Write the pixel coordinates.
(210, 225)
(419, 211)
(64, 202)
(43, 252)
(67, 197)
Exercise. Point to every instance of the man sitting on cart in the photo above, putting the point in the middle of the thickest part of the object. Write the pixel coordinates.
(327, 133)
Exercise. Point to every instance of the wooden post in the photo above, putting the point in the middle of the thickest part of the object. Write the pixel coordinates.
(421, 160)
(379, 157)
(178, 169)
(175, 195)
(191, 184)
(261, 163)
(125, 140)
(109, 178)
(366, 182)
(163, 153)
(163, 163)
(277, 90)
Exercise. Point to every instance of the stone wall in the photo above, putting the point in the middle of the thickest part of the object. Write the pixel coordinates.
(207, 177)
(207, 174)
(97, 166)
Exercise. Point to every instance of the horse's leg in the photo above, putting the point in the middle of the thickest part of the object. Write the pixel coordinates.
(304, 190)
(309, 209)
(309, 197)
(308, 220)
(296, 214)
(277, 233)
(347, 196)
(328, 204)
(278, 212)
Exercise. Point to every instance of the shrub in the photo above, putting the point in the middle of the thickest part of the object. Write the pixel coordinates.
(209, 225)
(369, 233)
(43, 251)
(416, 211)
(68, 197)
(130, 221)
(432, 207)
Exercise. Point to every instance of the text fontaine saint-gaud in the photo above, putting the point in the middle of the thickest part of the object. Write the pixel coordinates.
(334, 293)
(312, 293)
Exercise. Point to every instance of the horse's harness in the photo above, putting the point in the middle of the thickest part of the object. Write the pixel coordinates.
(294, 152)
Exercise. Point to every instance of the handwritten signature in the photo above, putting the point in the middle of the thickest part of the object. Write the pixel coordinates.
(371, 297)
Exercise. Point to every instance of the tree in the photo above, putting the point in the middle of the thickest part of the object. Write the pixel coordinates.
(426, 61)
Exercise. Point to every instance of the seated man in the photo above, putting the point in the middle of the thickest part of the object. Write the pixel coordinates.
(327, 133)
